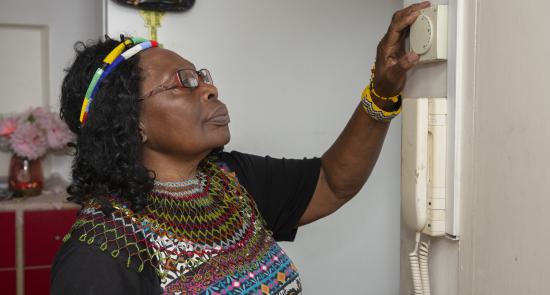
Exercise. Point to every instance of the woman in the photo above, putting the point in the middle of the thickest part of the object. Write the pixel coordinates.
(164, 209)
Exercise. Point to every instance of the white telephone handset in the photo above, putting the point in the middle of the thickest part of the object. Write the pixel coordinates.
(423, 157)
(423, 176)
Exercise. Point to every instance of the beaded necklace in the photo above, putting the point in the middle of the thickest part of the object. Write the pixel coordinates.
(201, 235)
(179, 189)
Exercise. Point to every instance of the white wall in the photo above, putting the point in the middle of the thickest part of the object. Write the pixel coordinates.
(505, 246)
(67, 22)
(24, 78)
(291, 73)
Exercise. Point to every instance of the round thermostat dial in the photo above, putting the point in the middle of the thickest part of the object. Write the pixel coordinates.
(421, 34)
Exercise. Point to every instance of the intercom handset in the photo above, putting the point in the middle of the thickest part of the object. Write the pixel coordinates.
(423, 177)
(423, 164)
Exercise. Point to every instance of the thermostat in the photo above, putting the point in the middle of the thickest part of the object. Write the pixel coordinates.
(428, 35)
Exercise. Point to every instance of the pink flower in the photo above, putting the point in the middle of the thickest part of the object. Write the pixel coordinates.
(8, 126)
(39, 115)
(29, 141)
(58, 134)
(33, 133)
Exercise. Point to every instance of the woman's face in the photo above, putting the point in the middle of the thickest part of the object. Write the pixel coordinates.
(180, 122)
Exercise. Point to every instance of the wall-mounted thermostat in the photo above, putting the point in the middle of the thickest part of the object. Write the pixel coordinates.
(428, 36)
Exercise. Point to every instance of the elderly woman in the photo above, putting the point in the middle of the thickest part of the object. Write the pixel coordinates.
(164, 208)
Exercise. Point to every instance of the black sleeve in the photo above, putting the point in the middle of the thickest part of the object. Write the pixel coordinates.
(281, 188)
(82, 269)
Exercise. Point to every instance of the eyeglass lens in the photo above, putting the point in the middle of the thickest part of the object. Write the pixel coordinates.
(190, 78)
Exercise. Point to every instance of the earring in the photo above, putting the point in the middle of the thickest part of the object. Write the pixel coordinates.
(142, 133)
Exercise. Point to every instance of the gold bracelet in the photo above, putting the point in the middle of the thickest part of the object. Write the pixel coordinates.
(394, 99)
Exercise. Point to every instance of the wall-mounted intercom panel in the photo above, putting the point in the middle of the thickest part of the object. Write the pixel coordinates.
(430, 175)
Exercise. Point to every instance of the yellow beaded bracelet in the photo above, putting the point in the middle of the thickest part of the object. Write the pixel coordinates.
(394, 99)
(375, 111)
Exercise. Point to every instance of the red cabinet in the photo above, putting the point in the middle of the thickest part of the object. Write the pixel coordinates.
(8, 281)
(37, 281)
(43, 234)
(8, 273)
(7, 246)
(32, 229)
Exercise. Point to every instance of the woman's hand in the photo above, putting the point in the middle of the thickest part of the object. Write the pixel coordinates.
(392, 61)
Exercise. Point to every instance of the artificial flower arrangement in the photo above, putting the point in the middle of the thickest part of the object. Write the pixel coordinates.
(29, 136)
(33, 133)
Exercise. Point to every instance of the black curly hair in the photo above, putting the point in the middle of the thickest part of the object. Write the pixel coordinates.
(108, 148)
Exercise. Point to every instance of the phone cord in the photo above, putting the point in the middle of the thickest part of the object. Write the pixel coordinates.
(415, 268)
(424, 273)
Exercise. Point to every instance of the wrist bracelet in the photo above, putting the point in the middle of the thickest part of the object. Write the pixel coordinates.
(375, 111)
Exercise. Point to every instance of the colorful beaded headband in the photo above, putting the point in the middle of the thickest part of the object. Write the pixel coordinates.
(123, 51)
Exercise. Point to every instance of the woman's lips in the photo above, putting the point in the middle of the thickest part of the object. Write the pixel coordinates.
(220, 116)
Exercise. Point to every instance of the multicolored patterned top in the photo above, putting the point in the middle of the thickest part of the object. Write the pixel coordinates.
(204, 237)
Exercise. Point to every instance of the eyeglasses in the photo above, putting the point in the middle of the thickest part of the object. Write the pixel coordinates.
(186, 78)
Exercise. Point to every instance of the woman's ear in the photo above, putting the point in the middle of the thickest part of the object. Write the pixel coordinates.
(142, 132)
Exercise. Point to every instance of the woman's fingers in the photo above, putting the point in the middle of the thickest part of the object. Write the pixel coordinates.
(403, 22)
(404, 64)
(418, 6)
(408, 61)
(392, 61)
(402, 19)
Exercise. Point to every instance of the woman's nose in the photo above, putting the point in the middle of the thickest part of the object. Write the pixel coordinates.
(209, 92)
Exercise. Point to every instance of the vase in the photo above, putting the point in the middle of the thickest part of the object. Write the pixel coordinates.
(25, 176)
